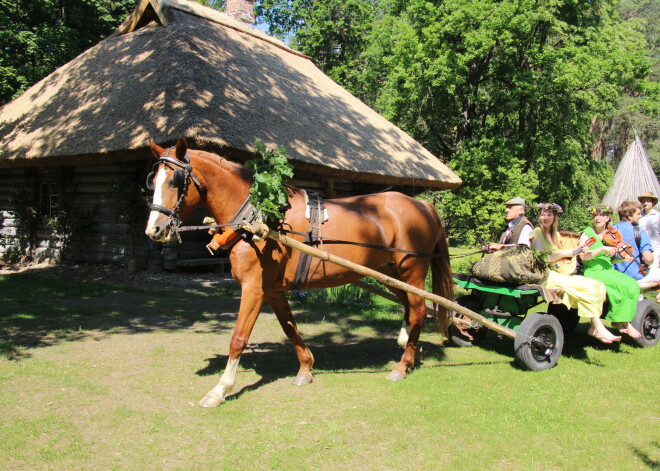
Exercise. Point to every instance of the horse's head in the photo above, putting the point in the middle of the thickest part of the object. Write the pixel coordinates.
(174, 197)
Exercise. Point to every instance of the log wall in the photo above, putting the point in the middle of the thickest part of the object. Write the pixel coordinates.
(103, 238)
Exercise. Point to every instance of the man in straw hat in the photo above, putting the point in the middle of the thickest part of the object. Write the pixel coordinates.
(518, 227)
(650, 222)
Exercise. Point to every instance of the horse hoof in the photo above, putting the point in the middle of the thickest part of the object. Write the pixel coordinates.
(301, 380)
(211, 400)
(396, 376)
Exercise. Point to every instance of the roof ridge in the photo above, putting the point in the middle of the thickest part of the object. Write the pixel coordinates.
(156, 13)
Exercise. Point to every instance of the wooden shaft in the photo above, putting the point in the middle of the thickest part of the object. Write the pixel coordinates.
(387, 295)
(264, 231)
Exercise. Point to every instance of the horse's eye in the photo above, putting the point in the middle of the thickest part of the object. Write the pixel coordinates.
(171, 183)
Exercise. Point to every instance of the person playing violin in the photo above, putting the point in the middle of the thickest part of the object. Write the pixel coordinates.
(622, 290)
(577, 292)
(630, 213)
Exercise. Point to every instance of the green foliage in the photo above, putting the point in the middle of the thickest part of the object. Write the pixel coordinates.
(37, 36)
(283, 17)
(269, 193)
(639, 108)
(505, 92)
(346, 296)
(333, 32)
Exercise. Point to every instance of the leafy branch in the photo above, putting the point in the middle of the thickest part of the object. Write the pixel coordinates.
(269, 193)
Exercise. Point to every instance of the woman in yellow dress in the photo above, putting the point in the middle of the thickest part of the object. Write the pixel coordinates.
(577, 292)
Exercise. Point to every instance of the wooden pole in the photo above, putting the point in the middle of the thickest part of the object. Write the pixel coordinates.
(264, 231)
(462, 323)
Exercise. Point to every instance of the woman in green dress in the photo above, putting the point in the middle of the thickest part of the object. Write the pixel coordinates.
(575, 292)
(622, 290)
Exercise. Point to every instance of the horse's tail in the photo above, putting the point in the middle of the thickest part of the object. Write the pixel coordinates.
(442, 282)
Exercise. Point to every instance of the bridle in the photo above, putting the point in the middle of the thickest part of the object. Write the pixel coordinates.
(180, 180)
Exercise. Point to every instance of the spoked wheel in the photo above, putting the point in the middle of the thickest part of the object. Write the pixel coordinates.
(466, 332)
(568, 318)
(646, 321)
(539, 342)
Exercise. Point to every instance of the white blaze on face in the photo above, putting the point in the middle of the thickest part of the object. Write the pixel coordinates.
(156, 218)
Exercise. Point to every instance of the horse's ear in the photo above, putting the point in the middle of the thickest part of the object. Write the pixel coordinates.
(156, 149)
(181, 149)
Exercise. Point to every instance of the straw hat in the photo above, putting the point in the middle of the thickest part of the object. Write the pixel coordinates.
(648, 194)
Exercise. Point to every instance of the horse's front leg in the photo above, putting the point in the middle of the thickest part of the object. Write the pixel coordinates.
(251, 301)
(282, 310)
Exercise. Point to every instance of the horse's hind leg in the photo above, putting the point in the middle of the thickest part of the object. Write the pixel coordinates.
(282, 310)
(404, 333)
(402, 339)
(413, 273)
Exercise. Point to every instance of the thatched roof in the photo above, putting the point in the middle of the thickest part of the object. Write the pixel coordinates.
(176, 68)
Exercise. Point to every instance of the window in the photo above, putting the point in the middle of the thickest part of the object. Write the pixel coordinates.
(47, 199)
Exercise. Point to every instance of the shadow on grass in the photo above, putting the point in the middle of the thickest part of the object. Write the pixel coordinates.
(41, 311)
(645, 457)
(341, 343)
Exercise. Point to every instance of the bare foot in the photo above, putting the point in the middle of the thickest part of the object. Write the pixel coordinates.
(627, 328)
(603, 335)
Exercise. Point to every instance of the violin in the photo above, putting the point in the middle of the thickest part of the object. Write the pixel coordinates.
(613, 238)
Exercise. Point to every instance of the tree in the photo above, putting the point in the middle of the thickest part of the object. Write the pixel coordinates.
(504, 91)
(37, 36)
(333, 32)
(639, 107)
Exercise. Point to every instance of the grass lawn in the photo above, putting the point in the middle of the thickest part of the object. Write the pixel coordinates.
(101, 377)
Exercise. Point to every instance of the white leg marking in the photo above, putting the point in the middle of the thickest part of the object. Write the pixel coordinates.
(403, 335)
(217, 395)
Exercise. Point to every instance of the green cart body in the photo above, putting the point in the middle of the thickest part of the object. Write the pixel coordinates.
(539, 332)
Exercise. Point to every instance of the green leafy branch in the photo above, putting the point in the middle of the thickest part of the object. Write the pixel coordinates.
(541, 258)
(269, 193)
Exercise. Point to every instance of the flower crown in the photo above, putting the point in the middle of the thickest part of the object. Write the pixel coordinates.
(600, 210)
(551, 207)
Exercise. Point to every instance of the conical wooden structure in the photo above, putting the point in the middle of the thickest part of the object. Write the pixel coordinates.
(633, 177)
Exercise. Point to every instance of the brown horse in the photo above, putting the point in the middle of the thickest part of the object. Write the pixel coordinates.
(265, 268)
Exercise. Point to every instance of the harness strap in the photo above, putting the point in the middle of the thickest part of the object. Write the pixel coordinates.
(325, 240)
(316, 211)
(161, 209)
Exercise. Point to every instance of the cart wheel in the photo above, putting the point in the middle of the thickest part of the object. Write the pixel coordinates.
(467, 336)
(539, 341)
(646, 321)
(568, 318)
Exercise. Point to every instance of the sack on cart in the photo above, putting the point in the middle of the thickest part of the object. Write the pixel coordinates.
(514, 264)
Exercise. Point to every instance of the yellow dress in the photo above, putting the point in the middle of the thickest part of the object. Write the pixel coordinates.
(584, 294)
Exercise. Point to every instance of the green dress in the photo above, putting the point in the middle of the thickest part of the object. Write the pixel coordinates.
(622, 290)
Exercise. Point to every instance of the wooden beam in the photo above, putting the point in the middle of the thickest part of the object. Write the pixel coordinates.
(262, 230)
